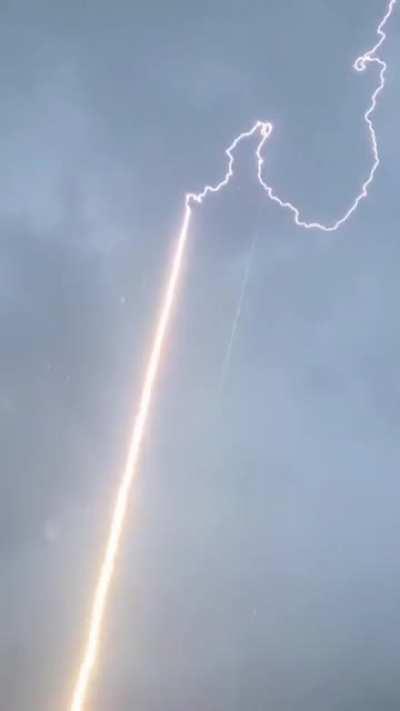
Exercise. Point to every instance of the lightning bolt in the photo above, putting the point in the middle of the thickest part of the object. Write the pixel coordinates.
(263, 129)
(359, 65)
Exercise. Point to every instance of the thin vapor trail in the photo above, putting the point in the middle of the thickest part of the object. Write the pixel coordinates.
(236, 320)
(263, 129)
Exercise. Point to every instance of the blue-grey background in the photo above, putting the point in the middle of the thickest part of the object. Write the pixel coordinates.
(261, 565)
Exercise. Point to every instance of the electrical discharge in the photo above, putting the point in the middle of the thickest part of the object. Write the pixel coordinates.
(263, 129)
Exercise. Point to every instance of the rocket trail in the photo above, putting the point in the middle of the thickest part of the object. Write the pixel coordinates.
(264, 130)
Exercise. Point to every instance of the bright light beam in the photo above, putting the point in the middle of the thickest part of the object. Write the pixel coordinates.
(119, 512)
(264, 129)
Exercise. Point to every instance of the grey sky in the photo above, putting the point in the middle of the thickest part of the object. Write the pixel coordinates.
(260, 565)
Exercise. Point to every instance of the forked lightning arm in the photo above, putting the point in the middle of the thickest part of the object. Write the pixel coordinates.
(264, 129)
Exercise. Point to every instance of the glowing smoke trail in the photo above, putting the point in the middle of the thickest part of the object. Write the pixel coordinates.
(238, 313)
(264, 129)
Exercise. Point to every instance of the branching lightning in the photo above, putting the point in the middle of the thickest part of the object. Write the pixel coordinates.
(359, 65)
(263, 130)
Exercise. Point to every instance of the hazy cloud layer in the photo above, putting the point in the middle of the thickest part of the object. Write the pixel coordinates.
(260, 563)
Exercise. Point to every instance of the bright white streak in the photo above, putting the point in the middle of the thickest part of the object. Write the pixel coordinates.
(119, 512)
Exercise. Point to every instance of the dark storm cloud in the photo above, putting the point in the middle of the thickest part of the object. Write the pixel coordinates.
(260, 565)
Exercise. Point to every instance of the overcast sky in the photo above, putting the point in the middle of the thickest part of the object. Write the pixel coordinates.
(260, 562)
